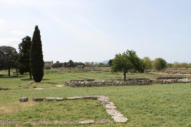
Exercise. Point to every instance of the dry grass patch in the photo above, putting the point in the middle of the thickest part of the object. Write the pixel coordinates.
(15, 107)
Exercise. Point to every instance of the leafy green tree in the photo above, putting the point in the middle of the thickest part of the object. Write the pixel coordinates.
(127, 61)
(159, 64)
(24, 56)
(110, 62)
(57, 64)
(148, 63)
(8, 58)
(37, 63)
(70, 63)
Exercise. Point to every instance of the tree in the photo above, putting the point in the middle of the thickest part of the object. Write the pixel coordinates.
(70, 63)
(37, 63)
(24, 56)
(127, 61)
(110, 62)
(8, 58)
(148, 63)
(159, 64)
(57, 64)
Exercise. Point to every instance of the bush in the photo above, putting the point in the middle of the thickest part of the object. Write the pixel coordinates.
(159, 64)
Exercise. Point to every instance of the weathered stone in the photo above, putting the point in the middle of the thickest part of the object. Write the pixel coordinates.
(113, 112)
(59, 99)
(24, 99)
(119, 119)
(59, 86)
(87, 122)
(38, 88)
(91, 80)
(91, 83)
(90, 97)
(73, 98)
(110, 105)
(50, 98)
(38, 99)
(111, 109)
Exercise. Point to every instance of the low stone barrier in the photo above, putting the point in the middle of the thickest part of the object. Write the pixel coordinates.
(172, 79)
(86, 83)
(109, 106)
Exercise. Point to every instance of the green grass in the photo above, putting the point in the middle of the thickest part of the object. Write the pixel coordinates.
(60, 111)
(145, 106)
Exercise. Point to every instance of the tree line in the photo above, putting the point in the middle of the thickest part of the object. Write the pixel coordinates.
(29, 59)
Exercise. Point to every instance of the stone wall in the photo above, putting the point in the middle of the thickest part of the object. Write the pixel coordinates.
(134, 81)
(172, 79)
(91, 83)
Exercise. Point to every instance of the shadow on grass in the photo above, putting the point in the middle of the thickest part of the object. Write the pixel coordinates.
(28, 79)
(4, 76)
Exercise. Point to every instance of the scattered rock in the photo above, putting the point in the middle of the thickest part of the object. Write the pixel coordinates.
(87, 122)
(59, 86)
(92, 82)
(110, 107)
(24, 99)
(38, 99)
(38, 88)
(119, 119)
(74, 98)
(111, 110)
(60, 99)
(50, 98)
(90, 97)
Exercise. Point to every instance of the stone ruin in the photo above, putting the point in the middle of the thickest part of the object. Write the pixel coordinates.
(130, 81)
(109, 106)
(92, 82)
(172, 79)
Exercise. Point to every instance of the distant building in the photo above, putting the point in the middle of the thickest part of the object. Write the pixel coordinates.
(48, 63)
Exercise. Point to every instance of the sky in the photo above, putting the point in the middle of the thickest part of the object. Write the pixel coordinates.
(96, 30)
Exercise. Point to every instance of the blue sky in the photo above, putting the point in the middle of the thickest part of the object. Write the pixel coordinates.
(95, 30)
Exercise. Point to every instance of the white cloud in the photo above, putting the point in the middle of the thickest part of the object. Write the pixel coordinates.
(8, 41)
(17, 32)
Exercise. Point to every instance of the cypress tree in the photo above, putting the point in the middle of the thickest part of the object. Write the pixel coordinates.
(37, 63)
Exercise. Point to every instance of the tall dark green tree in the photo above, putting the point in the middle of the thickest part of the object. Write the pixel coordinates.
(37, 63)
(24, 56)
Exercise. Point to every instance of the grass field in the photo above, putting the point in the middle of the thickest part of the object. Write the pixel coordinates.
(145, 106)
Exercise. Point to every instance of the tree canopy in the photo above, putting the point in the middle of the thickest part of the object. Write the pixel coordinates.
(24, 55)
(148, 63)
(8, 58)
(127, 61)
(159, 64)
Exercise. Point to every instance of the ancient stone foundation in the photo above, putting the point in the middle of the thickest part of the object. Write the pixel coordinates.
(91, 83)
(172, 79)
(109, 106)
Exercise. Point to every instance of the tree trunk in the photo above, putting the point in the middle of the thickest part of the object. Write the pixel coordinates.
(9, 71)
(17, 73)
(30, 75)
(124, 74)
